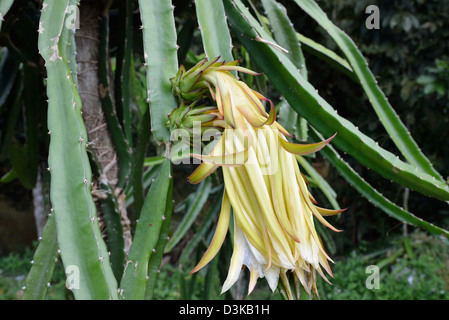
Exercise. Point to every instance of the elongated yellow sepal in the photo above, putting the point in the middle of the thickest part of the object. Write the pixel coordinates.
(254, 275)
(329, 212)
(227, 67)
(219, 235)
(303, 149)
(202, 172)
(323, 221)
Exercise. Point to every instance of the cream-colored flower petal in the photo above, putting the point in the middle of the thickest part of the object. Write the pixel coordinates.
(254, 275)
(264, 199)
(272, 276)
(238, 256)
(286, 283)
(276, 183)
(241, 217)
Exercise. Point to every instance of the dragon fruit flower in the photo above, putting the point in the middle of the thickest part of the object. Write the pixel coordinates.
(274, 227)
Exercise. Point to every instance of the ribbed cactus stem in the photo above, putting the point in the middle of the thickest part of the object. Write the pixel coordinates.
(145, 243)
(161, 61)
(44, 259)
(214, 30)
(81, 245)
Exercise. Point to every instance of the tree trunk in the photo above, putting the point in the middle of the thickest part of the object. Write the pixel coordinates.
(87, 54)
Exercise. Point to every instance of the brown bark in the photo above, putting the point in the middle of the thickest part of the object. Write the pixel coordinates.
(87, 54)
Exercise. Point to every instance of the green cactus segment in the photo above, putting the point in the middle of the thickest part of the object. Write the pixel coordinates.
(308, 103)
(214, 30)
(156, 258)
(146, 237)
(82, 247)
(161, 61)
(285, 34)
(5, 5)
(41, 272)
(391, 121)
(121, 143)
(372, 195)
(327, 55)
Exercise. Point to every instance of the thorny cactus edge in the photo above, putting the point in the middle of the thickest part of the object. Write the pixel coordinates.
(274, 231)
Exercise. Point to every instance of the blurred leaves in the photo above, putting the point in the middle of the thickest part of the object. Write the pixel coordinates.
(436, 79)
